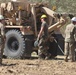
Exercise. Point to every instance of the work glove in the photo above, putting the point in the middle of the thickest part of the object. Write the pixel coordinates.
(36, 42)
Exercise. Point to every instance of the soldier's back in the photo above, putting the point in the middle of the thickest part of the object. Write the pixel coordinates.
(68, 32)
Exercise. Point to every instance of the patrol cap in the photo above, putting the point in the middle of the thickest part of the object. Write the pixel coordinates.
(1, 17)
(73, 19)
(43, 16)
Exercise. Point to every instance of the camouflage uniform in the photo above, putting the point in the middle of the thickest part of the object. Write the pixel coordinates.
(2, 36)
(70, 42)
(43, 42)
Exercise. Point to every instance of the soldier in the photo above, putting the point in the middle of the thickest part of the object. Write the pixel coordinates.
(70, 33)
(2, 37)
(43, 38)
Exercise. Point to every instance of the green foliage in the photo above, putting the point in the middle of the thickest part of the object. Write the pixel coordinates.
(68, 6)
(4, 0)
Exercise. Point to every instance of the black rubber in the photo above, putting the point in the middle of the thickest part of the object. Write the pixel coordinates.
(15, 44)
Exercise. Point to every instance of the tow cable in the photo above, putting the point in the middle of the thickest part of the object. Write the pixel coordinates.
(58, 46)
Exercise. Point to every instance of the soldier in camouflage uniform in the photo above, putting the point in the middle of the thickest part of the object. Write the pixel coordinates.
(2, 37)
(43, 38)
(70, 33)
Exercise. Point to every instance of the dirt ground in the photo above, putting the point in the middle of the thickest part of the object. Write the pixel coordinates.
(37, 67)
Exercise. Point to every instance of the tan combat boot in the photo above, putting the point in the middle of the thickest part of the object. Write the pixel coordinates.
(66, 59)
(48, 57)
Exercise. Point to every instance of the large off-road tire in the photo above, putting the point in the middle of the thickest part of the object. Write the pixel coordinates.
(15, 44)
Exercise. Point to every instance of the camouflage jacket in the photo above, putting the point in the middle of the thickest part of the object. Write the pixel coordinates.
(2, 33)
(70, 33)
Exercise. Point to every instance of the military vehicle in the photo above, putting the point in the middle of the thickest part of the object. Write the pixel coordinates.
(22, 24)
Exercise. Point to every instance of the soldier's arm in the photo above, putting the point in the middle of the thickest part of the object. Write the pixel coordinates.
(41, 30)
(74, 32)
(3, 32)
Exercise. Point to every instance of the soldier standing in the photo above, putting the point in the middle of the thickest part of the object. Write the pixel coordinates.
(2, 37)
(70, 33)
(43, 38)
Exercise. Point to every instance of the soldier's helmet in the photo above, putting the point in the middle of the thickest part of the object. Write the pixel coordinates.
(43, 16)
(1, 17)
(73, 19)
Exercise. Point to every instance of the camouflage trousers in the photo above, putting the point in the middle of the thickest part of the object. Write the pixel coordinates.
(1, 52)
(43, 47)
(70, 50)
